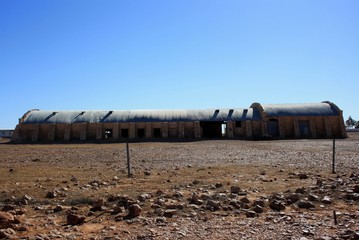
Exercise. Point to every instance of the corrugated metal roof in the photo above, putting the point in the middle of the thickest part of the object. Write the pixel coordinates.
(37, 117)
(306, 109)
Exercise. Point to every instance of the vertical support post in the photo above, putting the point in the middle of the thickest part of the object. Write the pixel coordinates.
(128, 161)
(333, 165)
(335, 217)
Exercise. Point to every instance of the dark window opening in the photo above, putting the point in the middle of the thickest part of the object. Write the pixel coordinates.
(108, 133)
(273, 127)
(238, 124)
(304, 129)
(141, 133)
(124, 133)
(157, 132)
(213, 129)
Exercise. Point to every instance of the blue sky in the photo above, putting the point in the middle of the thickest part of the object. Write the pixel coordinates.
(184, 54)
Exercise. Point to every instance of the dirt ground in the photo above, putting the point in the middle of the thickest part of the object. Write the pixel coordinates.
(212, 189)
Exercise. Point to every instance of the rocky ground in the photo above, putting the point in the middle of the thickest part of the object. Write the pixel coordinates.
(181, 190)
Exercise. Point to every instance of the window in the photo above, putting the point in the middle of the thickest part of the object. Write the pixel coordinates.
(238, 124)
(140, 132)
(124, 132)
(108, 133)
(157, 132)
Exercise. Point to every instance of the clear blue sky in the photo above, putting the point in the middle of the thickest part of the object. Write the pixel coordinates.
(177, 54)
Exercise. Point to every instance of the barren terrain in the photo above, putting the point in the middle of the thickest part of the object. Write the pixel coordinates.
(218, 189)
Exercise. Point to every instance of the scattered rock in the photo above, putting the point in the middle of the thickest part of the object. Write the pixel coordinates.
(6, 220)
(51, 194)
(235, 189)
(313, 197)
(8, 233)
(305, 204)
(303, 176)
(258, 209)
(218, 185)
(277, 205)
(134, 210)
(251, 214)
(327, 200)
(292, 198)
(58, 208)
(7, 208)
(169, 213)
(74, 219)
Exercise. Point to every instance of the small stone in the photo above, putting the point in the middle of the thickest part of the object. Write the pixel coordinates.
(292, 198)
(300, 190)
(195, 182)
(305, 204)
(251, 214)
(73, 219)
(313, 197)
(51, 194)
(327, 200)
(6, 219)
(134, 210)
(7, 208)
(169, 213)
(259, 202)
(303, 176)
(235, 189)
(277, 205)
(147, 172)
(143, 197)
(8, 233)
(257, 209)
(219, 185)
(245, 200)
(58, 208)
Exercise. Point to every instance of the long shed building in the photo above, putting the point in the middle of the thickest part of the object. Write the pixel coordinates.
(259, 121)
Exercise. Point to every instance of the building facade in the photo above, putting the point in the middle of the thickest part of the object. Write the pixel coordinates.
(259, 121)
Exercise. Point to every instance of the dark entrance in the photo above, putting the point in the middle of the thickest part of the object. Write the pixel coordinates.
(157, 132)
(273, 129)
(304, 129)
(211, 129)
(108, 133)
(124, 132)
(140, 132)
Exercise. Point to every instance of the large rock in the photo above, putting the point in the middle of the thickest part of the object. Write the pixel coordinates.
(74, 219)
(277, 205)
(134, 210)
(235, 189)
(305, 204)
(8, 233)
(6, 220)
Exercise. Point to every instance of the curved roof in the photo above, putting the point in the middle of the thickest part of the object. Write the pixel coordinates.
(305, 109)
(37, 116)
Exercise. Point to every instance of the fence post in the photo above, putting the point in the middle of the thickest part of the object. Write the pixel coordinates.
(333, 165)
(128, 161)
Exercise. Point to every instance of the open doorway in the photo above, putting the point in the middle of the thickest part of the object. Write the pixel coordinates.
(108, 133)
(213, 129)
(273, 127)
(304, 129)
